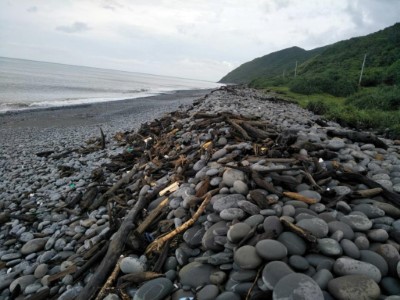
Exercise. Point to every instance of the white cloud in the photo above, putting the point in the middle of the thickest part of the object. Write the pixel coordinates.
(202, 39)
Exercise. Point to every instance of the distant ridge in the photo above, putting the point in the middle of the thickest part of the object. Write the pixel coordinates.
(340, 61)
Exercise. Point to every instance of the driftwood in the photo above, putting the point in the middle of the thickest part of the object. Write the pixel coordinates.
(114, 251)
(300, 197)
(157, 245)
(124, 180)
(110, 280)
(367, 193)
(255, 132)
(354, 177)
(263, 184)
(303, 233)
(239, 129)
(362, 137)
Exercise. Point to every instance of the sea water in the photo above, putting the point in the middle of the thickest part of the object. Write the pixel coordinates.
(26, 84)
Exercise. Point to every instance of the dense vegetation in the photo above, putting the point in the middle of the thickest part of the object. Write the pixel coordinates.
(329, 76)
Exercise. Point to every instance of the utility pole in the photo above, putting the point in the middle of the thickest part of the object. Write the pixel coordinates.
(362, 69)
(295, 70)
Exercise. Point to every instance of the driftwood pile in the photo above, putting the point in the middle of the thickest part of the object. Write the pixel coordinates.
(154, 164)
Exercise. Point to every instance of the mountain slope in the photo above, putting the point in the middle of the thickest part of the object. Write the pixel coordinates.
(269, 65)
(333, 69)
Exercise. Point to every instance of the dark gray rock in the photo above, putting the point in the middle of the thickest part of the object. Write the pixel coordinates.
(231, 175)
(375, 259)
(329, 247)
(271, 249)
(391, 255)
(294, 244)
(272, 226)
(334, 226)
(194, 235)
(230, 214)
(350, 249)
(371, 211)
(208, 292)
(348, 266)
(354, 287)
(298, 262)
(155, 289)
(208, 238)
(195, 274)
(297, 286)
(227, 201)
(249, 207)
(237, 232)
(322, 277)
(316, 226)
(357, 222)
(273, 272)
(34, 245)
(246, 257)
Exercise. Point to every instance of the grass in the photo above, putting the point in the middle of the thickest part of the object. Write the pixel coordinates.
(346, 111)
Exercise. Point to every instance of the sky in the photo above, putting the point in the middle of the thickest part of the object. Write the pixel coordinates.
(199, 39)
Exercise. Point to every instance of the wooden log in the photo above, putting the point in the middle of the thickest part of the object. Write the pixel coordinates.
(239, 129)
(359, 178)
(263, 184)
(303, 233)
(297, 196)
(114, 250)
(151, 217)
(110, 280)
(362, 137)
(255, 132)
(367, 193)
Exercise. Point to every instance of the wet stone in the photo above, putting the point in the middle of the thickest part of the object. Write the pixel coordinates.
(246, 257)
(294, 244)
(231, 175)
(237, 232)
(272, 226)
(298, 262)
(273, 272)
(371, 211)
(297, 286)
(195, 274)
(348, 266)
(230, 214)
(155, 289)
(228, 201)
(350, 249)
(329, 247)
(357, 222)
(316, 226)
(271, 249)
(348, 233)
(249, 207)
(354, 287)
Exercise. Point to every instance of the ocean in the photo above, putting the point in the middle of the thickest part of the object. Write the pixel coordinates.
(26, 84)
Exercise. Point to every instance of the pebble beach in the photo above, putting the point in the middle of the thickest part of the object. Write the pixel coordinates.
(296, 207)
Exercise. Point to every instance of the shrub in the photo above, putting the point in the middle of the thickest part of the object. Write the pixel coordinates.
(382, 98)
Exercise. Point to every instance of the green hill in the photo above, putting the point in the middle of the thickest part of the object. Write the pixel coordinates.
(273, 64)
(329, 77)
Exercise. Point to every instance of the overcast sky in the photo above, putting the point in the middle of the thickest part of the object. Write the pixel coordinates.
(201, 39)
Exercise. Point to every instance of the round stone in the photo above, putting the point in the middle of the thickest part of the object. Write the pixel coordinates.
(208, 240)
(297, 286)
(316, 226)
(357, 222)
(271, 249)
(299, 263)
(255, 220)
(41, 270)
(390, 285)
(240, 187)
(155, 289)
(335, 144)
(34, 245)
(208, 292)
(374, 259)
(132, 265)
(22, 281)
(195, 274)
(391, 255)
(227, 201)
(230, 214)
(334, 226)
(322, 277)
(272, 226)
(246, 257)
(237, 232)
(294, 244)
(329, 247)
(349, 266)
(218, 277)
(371, 211)
(249, 207)
(354, 287)
(273, 272)
(378, 235)
(362, 243)
(350, 249)
(228, 296)
(232, 175)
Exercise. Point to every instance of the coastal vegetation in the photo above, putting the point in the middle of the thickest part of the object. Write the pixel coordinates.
(328, 80)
